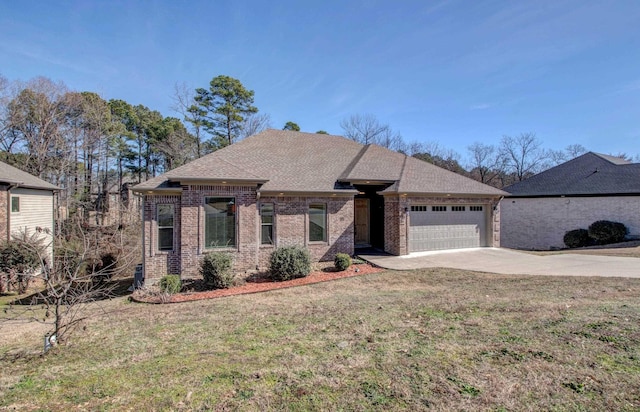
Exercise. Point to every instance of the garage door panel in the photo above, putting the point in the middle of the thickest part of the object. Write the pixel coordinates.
(437, 230)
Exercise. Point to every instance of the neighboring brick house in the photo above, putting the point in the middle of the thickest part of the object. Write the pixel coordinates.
(27, 206)
(326, 193)
(540, 210)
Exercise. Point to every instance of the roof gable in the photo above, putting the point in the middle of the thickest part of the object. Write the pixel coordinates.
(587, 175)
(14, 176)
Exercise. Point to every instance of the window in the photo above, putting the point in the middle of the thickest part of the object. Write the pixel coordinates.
(475, 208)
(266, 220)
(458, 208)
(317, 223)
(15, 204)
(220, 222)
(418, 208)
(164, 214)
(438, 208)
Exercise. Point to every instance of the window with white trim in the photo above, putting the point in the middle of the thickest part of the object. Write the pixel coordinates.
(219, 222)
(458, 208)
(438, 208)
(475, 208)
(164, 215)
(317, 222)
(419, 208)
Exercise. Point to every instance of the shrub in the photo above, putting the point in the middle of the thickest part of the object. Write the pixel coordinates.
(289, 262)
(577, 238)
(170, 284)
(17, 262)
(604, 232)
(216, 270)
(342, 261)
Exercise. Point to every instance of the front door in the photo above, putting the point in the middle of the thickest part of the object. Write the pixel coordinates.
(362, 221)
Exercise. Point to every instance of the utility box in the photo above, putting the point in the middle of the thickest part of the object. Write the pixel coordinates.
(138, 277)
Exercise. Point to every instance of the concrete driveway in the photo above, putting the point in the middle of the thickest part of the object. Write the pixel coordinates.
(507, 261)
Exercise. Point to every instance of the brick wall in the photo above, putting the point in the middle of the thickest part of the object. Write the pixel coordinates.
(159, 263)
(290, 227)
(540, 223)
(4, 208)
(193, 223)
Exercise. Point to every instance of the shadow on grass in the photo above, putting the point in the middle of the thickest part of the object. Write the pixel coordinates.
(93, 291)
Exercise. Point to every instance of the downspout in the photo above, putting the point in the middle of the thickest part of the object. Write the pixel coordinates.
(53, 225)
(143, 197)
(493, 209)
(258, 229)
(9, 187)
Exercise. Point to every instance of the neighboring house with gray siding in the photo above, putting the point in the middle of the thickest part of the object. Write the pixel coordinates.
(326, 193)
(540, 210)
(26, 205)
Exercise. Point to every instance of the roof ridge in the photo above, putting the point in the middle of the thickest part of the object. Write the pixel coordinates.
(345, 174)
(402, 171)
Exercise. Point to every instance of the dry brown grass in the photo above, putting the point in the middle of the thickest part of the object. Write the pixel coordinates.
(431, 339)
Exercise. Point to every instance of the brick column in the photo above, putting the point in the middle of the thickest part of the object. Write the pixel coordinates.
(395, 225)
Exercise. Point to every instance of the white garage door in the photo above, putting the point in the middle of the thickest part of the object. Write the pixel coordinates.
(447, 227)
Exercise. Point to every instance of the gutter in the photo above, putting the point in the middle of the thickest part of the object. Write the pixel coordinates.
(141, 196)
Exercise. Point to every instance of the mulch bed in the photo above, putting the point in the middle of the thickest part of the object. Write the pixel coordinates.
(255, 283)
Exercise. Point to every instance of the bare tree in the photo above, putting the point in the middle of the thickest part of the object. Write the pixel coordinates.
(485, 163)
(74, 285)
(570, 152)
(184, 104)
(366, 129)
(575, 150)
(523, 155)
(254, 124)
(35, 116)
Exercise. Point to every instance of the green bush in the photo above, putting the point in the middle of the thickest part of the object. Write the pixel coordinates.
(577, 238)
(216, 270)
(605, 232)
(289, 262)
(170, 284)
(18, 261)
(18, 257)
(342, 261)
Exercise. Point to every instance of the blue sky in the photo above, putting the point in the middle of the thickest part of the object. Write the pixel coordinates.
(452, 72)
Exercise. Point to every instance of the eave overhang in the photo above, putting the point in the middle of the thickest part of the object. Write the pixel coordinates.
(308, 193)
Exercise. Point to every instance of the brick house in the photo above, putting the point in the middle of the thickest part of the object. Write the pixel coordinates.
(27, 206)
(540, 210)
(326, 193)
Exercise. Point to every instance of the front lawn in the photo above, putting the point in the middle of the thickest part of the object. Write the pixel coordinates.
(429, 339)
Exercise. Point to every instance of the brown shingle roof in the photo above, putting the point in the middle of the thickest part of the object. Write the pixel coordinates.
(289, 161)
(13, 175)
(419, 176)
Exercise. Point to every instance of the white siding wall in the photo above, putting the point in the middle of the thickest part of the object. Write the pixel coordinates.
(540, 223)
(36, 210)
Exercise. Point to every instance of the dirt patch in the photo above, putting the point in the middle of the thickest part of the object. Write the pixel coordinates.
(255, 283)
